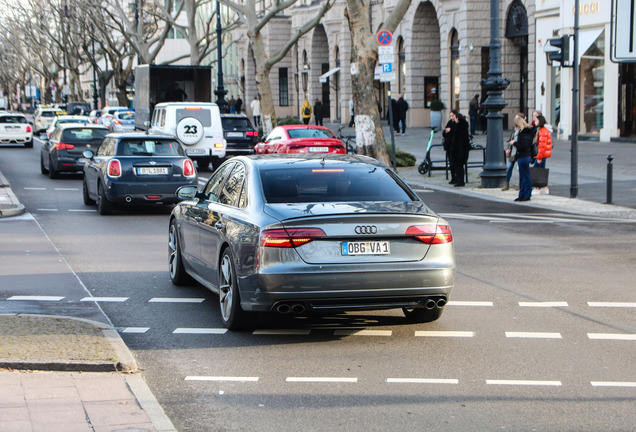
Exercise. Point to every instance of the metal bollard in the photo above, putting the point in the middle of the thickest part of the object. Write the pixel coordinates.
(610, 175)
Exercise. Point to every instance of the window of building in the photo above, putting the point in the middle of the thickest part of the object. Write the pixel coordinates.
(283, 87)
(593, 86)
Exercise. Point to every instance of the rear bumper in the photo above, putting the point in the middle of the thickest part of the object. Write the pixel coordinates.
(16, 139)
(145, 193)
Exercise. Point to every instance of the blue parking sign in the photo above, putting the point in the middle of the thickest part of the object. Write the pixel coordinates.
(387, 67)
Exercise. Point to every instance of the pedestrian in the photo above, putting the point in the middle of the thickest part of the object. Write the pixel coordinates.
(544, 147)
(459, 147)
(176, 94)
(473, 113)
(232, 104)
(318, 112)
(352, 122)
(239, 105)
(535, 117)
(447, 138)
(256, 111)
(402, 108)
(305, 112)
(396, 117)
(483, 112)
(524, 157)
(511, 152)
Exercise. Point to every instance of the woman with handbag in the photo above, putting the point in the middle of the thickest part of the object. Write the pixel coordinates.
(544, 149)
(511, 152)
(524, 157)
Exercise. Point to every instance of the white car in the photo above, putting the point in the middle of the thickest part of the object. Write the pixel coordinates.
(15, 129)
(107, 114)
(43, 118)
(123, 121)
(66, 119)
(197, 126)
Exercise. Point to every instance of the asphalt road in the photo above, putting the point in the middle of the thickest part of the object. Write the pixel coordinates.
(533, 338)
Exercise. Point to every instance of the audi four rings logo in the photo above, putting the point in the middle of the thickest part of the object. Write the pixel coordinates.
(366, 229)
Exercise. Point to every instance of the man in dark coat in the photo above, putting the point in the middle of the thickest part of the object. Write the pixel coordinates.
(318, 112)
(402, 108)
(459, 147)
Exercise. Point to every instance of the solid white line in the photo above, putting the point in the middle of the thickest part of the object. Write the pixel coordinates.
(282, 332)
(463, 334)
(535, 335)
(469, 303)
(185, 330)
(221, 378)
(423, 190)
(45, 210)
(66, 189)
(36, 298)
(612, 384)
(523, 382)
(543, 304)
(105, 299)
(82, 210)
(135, 330)
(612, 336)
(612, 304)
(422, 381)
(34, 188)
(322, 379)
(175, 300)
(363, 332)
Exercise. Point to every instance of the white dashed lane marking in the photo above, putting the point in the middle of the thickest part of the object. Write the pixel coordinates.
(612, 384)
(105, 299)
(186, 330)
(544, 304)
(612, 336)
(459, 334)
(135, 329)
(34, 188)
(322, 379)
(422, 381)
(221, 378)
(533, 335)
(523, 382)
(612, 304)
(175, 300)
(35, 298)
(46, 210)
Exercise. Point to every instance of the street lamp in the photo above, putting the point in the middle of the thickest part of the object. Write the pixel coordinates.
(220, 92)
(494, 172)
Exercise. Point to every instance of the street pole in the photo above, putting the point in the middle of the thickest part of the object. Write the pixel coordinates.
(574, 168)
(95, 93)
(220, 92)
(494, 173)
(391, 114)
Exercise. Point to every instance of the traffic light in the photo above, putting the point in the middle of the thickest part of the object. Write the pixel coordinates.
(563, 53)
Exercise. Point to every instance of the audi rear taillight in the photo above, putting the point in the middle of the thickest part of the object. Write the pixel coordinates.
(114, 168)
(28, 128)
(291, 237)
(64, 146)
(188, 168)
(431, 233)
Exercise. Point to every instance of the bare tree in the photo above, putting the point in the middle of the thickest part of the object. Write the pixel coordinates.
(364, 57)
(264, 60)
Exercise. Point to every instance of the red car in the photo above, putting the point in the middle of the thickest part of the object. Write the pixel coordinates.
(301, 139)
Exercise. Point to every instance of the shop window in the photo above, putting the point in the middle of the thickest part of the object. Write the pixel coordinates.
(593, 86)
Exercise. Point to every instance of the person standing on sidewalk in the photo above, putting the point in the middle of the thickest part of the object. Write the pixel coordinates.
(352, 122)
(318, 112)
(460, 147)
(402, 108)
(544, 147)
(256, 111)
(524, 157)
(305, 112)
(473, 112)
(239, 105)
(511, 153)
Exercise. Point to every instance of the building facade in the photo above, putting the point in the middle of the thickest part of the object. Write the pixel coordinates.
(441, 52)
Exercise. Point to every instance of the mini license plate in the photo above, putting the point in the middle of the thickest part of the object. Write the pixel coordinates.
(152, 170)
(318, 149)
(235, 134)
(366, 248)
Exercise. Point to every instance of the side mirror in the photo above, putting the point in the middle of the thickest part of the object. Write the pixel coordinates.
(88, 154)
(44, 137)
(187, 192)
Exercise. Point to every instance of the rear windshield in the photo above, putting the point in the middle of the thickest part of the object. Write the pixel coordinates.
(352, 183)
(310, 133)
(84, 135)
(125, 115)
(201, 114)
(62, 121)
(236, 123)
(149, 147)
(50, 113)
(12, 119)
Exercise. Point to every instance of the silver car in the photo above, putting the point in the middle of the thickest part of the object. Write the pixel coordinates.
(298, 233)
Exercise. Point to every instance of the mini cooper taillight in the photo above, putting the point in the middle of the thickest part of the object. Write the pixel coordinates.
(291, 237)
(28, 128)
(431, 233)
(188, 168)
(64, 146)
(114, 168)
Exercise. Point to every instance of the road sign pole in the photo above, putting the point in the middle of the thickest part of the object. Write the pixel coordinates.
(574, 167)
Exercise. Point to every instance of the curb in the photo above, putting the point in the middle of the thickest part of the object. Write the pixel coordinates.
(124, 360)
(13, 209)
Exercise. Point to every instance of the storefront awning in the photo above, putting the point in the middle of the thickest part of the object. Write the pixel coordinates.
(586, 39)
(323, 77)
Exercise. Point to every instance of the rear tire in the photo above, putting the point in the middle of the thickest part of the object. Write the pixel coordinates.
(87, 198)
(43, 169)
(178, 275)
(422, 315)
(233, 316)
(28, 144)
(203, 164)
(104, 206)
(53, 174)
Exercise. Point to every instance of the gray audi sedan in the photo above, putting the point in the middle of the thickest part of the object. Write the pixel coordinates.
(298, 233)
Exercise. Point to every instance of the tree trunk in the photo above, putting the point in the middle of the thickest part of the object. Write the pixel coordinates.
(268, 112)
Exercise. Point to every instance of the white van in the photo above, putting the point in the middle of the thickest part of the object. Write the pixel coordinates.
(196, 125)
